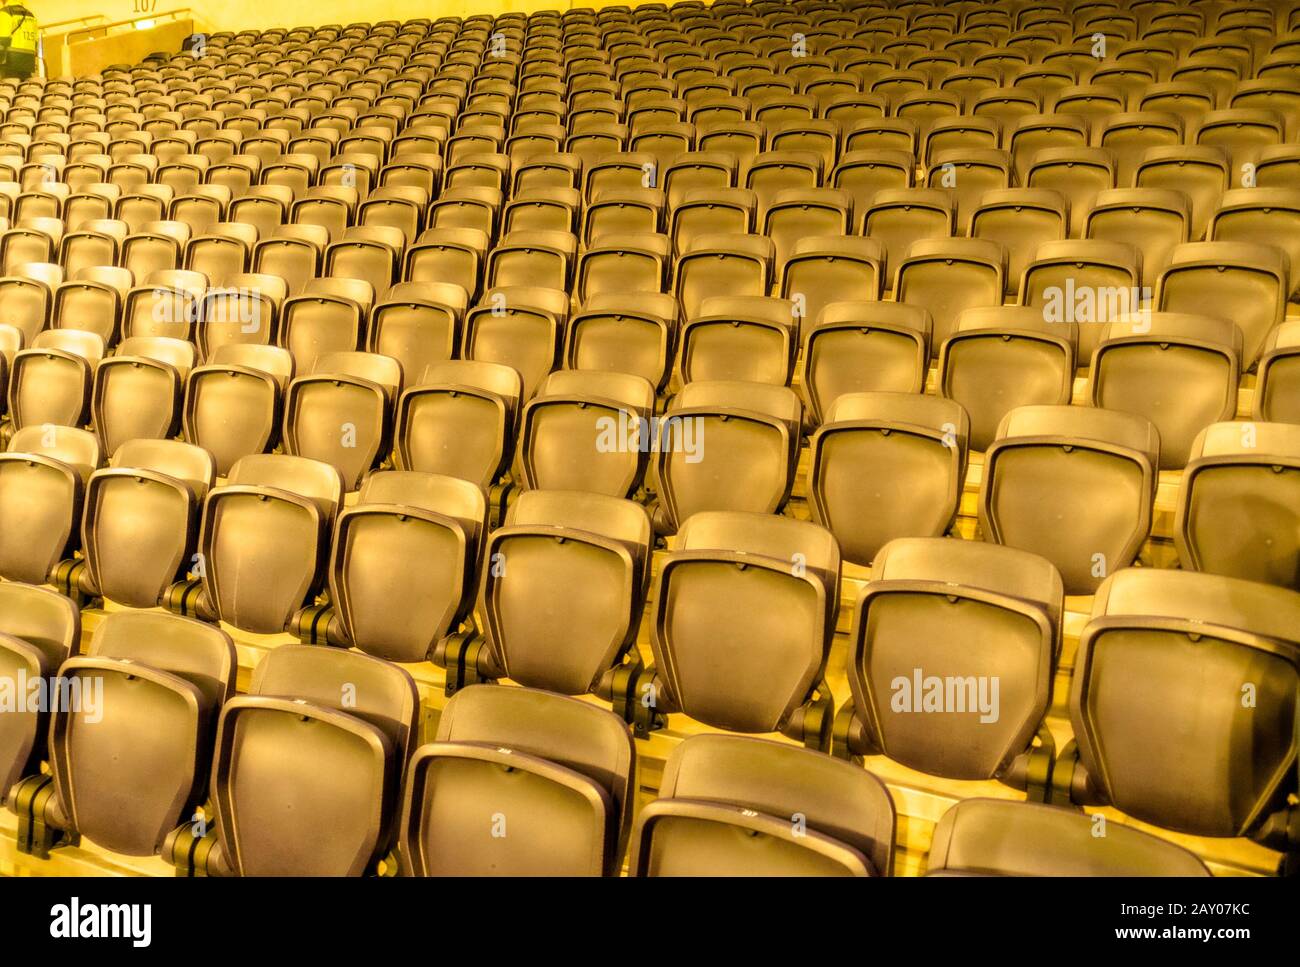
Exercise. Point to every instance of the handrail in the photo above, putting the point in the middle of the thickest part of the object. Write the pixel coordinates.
(123, 23)
(75, 20)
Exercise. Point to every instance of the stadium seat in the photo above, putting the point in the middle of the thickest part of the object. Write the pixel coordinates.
(749, 338)
(305, 331)
(960, 133)
(91, 300)
(244, 310)
(853, 347)
(1001, 358)
(1153, 220)
(233, 404)
(1276, 396)
(1075, 485)
(1236, 510)
(1277, 166)
(1199, 171)
(399, 518)
(264, 537)
(1086, 282)
(887, 465)
(1043, 132)
(864, 173)
(1079, 174)
(901, 216)
(941, 626)
(623, 264)
(344, 404)
(39, 630)
(140, 524)
(418, 324)
(994, 837)
(555, 776)
(732, 805)
(154, 246)
(883, 134)
(1021, 219)
(369, 253)
(740, 265)
(1127, 136)
(137, 391)
(624, 333)
(1174, 751)
(797, 214)
(748, 463)
(1251, 214)
(293, 253)
(697, 171)
(459, 419)
(768, 173)
(969, 173)
(631, 211)
(131, 769)
(1245, 282)
(1178, 370)
(821, 270)
(43, 475)
(541, 260)
(596, 547)
(584, 431)
(351, 720)
(949, 276)
(1241, 132)
(50, 382)
(745, 610)
(710, 211)
(27, 305)
(518, 326)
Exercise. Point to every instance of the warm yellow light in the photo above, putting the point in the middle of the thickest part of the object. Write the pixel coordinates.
(145, 24)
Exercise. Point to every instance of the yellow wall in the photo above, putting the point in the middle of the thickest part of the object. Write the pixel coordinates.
(130, 46)
(239, 14)
(93, 55)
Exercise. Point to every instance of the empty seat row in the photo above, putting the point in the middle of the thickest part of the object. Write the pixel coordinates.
(564, 803)
(1160, 384)
(1076, 288)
